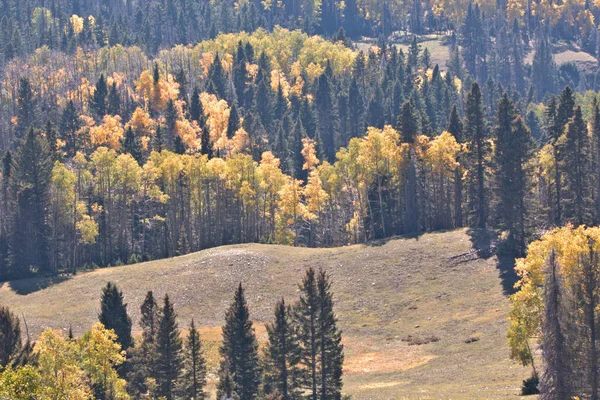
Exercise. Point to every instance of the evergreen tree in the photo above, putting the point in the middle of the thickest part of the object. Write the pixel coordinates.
(327, 117)
(196, 109)
(356, 110)
(10, 337)
(408, 127)
(321, 351)
(233, 123)
(282, 373)
(68, 128)
(455, 127)
(51, 138)
(217, 79)
(543, 69)
(239, 349)
(306, 315)
(168, 348)
(114, 100)
(194, 375)
(555, 351)
(132, 145)
(26, 110)
(98, 100)
(577, 170)
(113, 314)
(32, 171)
(142, 365)
(170, 133)
(475, 132)
(511, 154)
(595, 139)
(330, 342)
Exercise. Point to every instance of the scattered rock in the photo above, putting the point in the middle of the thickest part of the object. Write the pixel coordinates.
(417, 340)
(472, 340)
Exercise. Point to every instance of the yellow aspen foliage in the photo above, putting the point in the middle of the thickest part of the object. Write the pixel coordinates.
(289, 209)
(379, 153)
(252, 71)
(240, 143)
(278, 79)
(441, 153)
(157, 94)
(23, 383)
(142, 125)
(570, 246)
(88, 229)
(241, 177)
(110, 133)
(309, 152)
(60, 373)
(76, 23)
(271, 180)
(127, 177)
(217, 112)
(189, 133)
(100, 354)
(515, 9)
(205, 63)
(315, 196)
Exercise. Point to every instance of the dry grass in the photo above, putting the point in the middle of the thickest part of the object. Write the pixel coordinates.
(383, 294)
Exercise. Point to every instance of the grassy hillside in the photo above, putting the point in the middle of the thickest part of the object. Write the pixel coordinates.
(389, 297)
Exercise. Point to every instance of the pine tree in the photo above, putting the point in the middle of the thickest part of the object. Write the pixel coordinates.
(113, 314)
(555, 351)
(32, 171)
(68, 128)
(132, 145)
(455, 127)
(26, 109)
(233, 122)
(239, 349)
(217, 79)
(595, 138)
(330, 342)
(142, 365)
(194, 376)
(168, 352)
(196, 109)
(114, 100)
(356, 110)
(226, 387)
(543, 70)
(327, 117)
(321, 351)
(306, 315)
(512, 142)
(475, 132)
(577, 170)
(408, 127)
(51, 138)
(282, 373)
(554, 132)
(170, 133)
(10, 333)
(98, 100)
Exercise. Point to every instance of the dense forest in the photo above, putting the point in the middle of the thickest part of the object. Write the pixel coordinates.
(278, 137)
(135, 130)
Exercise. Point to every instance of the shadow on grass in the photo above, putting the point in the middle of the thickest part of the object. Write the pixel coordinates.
(383, 241)
(487, 244)
(31, 285)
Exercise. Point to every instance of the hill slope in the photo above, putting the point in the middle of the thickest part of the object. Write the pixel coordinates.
(383, 294)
